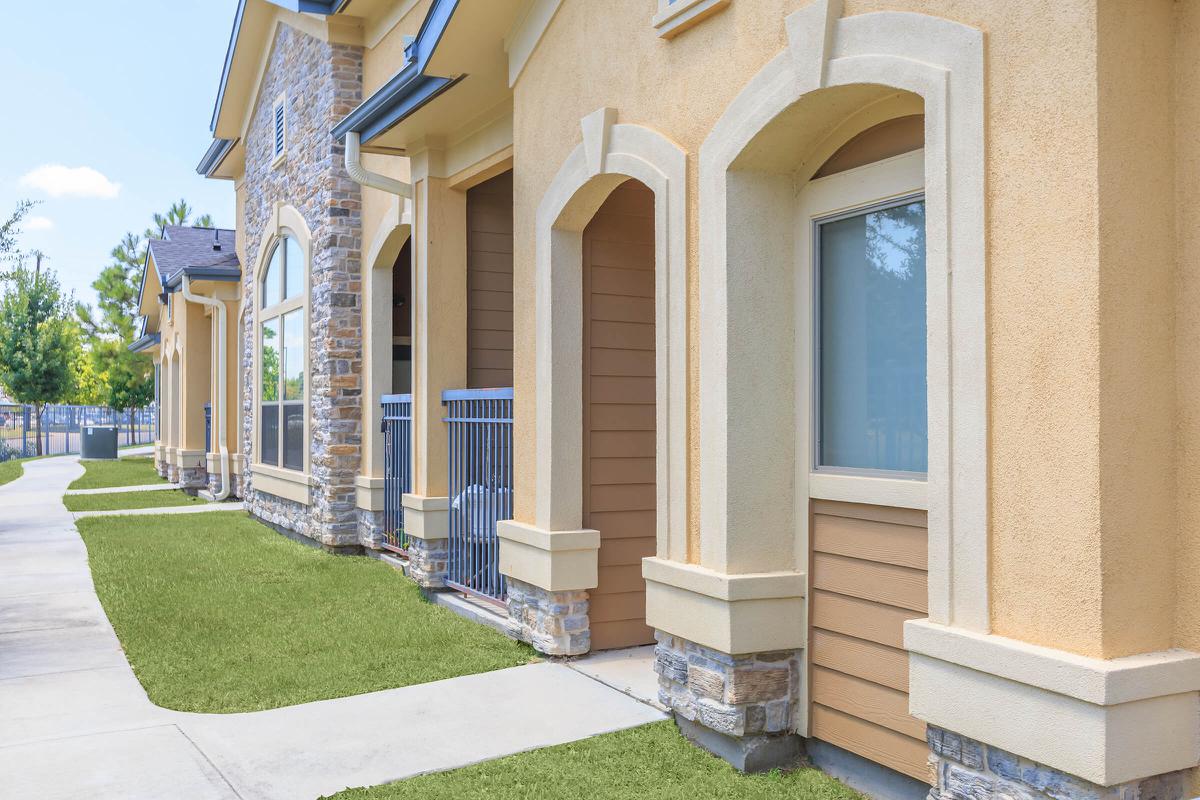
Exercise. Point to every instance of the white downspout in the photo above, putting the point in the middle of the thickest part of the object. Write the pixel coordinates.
(218, 308)
(364, 177)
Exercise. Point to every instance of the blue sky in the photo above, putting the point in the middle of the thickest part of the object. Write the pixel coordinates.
(123, 88)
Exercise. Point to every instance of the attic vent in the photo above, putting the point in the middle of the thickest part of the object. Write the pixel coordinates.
(216, 239)
(279, 116)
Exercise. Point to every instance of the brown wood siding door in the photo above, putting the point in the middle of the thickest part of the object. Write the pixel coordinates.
(490, 283)
(868, 577)
(618, 410)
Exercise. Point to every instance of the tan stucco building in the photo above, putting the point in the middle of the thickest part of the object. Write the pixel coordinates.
(840, 348)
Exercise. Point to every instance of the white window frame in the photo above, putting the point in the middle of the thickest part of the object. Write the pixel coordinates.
(854, 190)
(279, 142)
(262, 315)
(676, 16)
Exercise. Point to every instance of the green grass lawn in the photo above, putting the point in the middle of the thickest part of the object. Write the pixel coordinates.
(129, 500)
(138, 471)
(10, 471)
(650, 761)
(218, 613)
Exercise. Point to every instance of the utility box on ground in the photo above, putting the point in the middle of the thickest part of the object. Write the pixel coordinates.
(99, 441)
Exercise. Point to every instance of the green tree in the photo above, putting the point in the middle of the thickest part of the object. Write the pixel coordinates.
(110, 327)
(38, 340)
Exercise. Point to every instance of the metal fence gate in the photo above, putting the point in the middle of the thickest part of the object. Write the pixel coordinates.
(62, 427)
(479, 423)
(397, 468)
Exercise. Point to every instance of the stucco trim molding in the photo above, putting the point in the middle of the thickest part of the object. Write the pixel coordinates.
(734, 614)
(609, 154)
(557, 561)
(941, 62)
(1127, 718)
(426, 518)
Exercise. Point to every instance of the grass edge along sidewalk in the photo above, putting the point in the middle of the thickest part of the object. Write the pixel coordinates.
(218, 613)
(127, 471)
(648, 761)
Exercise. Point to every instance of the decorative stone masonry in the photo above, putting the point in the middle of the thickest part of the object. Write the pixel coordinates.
(214, 484)
(161, 467)
(965, 769)
(427, 562)
(734, 695)
(370, 529)
(172, 473)
(555, 623)
(192, 477)
(322, 82)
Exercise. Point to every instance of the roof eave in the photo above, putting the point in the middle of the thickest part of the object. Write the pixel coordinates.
(216, 153)
(410, 88)
(145, 342)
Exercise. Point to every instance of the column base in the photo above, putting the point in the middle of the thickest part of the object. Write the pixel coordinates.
(427, 525)
(554, 623)
(193, 477)
(969, 770)
(370, 529)
(761, 753)
(745, 701)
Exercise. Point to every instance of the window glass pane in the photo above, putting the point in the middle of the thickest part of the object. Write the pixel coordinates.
(271, 278)
(270, 360)
(872, 404)
(293, 355)
(293, 435)
(269, 450)
(294, 260)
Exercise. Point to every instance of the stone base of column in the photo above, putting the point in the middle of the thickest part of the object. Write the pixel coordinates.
(965, 769)
(172, 473)
(737, 707)
(162, 468)
(192, 477)
(427, 562)
(214, 484)
(555, 623)
(370, 529)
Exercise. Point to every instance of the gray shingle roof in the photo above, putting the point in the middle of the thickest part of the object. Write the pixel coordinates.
(186, 247)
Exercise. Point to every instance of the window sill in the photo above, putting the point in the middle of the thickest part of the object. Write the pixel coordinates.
(279, 159)
(895, 492)
(285, 483)
(672, 20)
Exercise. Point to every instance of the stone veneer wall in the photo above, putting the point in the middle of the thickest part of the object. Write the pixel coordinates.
(323, 83)
(214, 484)
(969, 770)
(555, 623)
(192, 477)
(744, 695)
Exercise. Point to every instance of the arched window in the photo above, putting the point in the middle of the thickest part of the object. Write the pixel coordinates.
(282, 343)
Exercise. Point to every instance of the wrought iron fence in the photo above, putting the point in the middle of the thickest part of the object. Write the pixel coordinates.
(62, 428)
(480, 458)
(397, 468)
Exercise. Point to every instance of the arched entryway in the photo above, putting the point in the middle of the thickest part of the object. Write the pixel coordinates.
(619, 491)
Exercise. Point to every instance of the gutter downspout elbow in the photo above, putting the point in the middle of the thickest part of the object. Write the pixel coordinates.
(364, 177)
(218, 308)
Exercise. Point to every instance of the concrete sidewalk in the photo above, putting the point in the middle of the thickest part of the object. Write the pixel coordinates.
(135, 512)
(74, 721)
(145, 487)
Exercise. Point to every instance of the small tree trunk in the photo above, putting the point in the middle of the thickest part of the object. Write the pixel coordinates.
(132, 440)
(37, 409)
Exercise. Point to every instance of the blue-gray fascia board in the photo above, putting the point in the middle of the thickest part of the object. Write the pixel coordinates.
(408, 89)
(145, 266)
(175, 279)
(145, 342)
(326, 7)
(214, 156)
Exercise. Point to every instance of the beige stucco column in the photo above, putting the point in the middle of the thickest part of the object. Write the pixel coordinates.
(194, 391)
(387, 225)
(439, 354)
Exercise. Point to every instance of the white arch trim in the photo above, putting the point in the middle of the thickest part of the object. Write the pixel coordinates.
(609, 154)
(942, 62)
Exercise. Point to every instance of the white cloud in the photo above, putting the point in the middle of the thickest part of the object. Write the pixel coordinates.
(57, 180)
(38, 224)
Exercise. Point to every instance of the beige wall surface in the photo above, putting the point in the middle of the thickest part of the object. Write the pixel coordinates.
(1187, 323)
(1080, 409)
